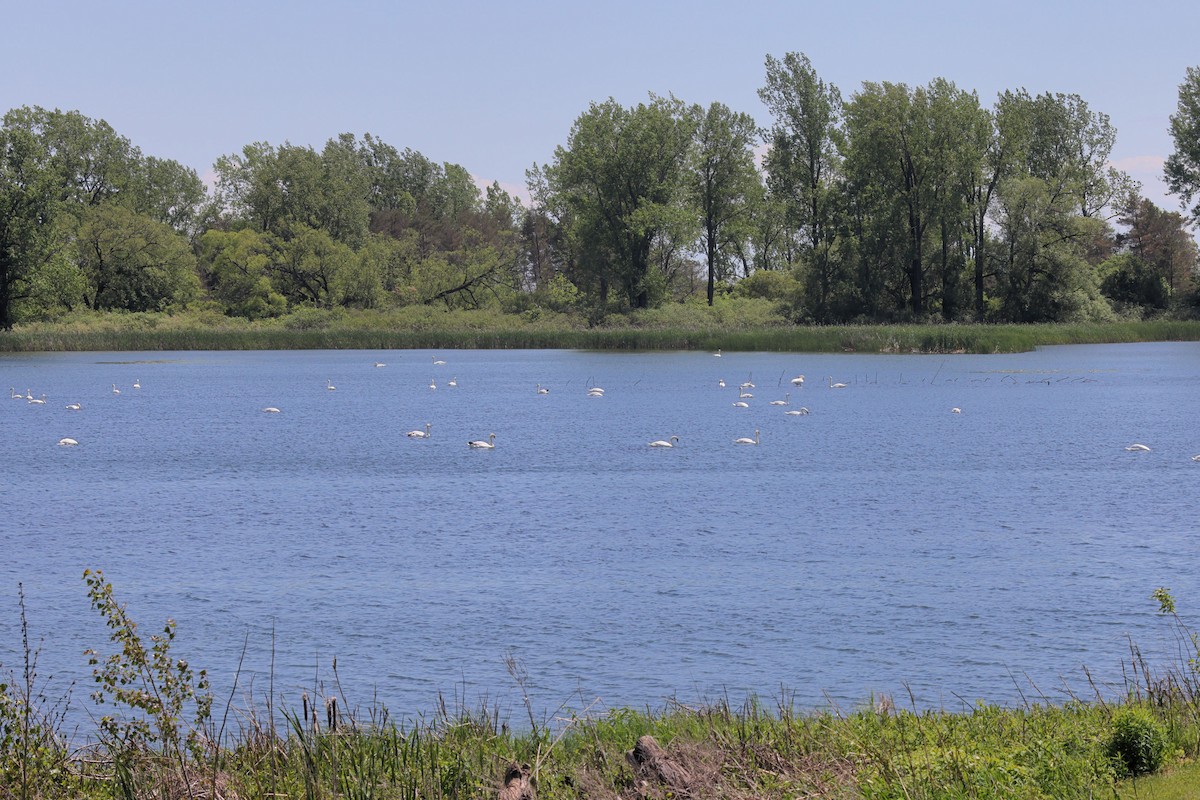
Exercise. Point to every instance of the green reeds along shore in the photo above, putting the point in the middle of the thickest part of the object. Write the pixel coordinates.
(743, 326)
(161, 736)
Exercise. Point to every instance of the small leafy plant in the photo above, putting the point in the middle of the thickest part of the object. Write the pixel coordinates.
(156, 690)
(1138, 742)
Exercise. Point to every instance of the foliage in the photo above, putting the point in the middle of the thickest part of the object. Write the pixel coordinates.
(153, 690)
(1182, 168)
(1138, 742)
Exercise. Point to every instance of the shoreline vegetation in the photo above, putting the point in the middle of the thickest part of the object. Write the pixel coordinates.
(745, 325)
(161, 733)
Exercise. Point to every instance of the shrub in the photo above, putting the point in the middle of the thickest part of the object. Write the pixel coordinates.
(1138, 742)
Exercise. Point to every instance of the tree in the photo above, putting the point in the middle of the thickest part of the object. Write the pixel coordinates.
(132, 262)
(1161, 239)
(29, 204)
(1182, 168)
(619, 176)
(723, 179)
(236, 266)
(804, 161)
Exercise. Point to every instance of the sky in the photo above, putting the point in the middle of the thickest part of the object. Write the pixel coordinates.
(495, 86)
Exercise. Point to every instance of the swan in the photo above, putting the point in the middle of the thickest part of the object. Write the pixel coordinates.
(29, 393)
(721, 382)
(115, 389)
(270, 410)
(833, 385)
(67, 442)
(787, 399)
(1138, 448)
(717, 354)
(432, 383)
(745, 440)
(797, 412)
(37, 401)
(542, 390)
(436, 362)
(661, 443)
(1195, 458)
(595, 390)
(798, 380)
(956, 410)
(137, 383)
(741, 404)
(380, 364)
(12, 392)
(594, 393)
(744, 395)
(747, 385)
(490, 444)
(453, 384)
(75, 407)
(329, 385)
(420, 434)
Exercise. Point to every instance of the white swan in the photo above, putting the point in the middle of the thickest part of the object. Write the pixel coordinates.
(833, 385)
(1195, 458)
(717, 354)
(67, 442)
(798, 380)
(744, 395)
(380, 364)
(956, 410)
(594, 393)
(329, 385)
(490, 444)
(420, 434)
(595, 390)
(75, 407)
(721, 382)
(797, 412)
(12, 393)
(453, 383)
(741, 404)
(787, 400)
(662, 443)
(747, 385)
(745, 440)
(432, 383)
(37, 401)
(137, 383)
(270, 410)
(29, 393)
(115, 389)
(436, 362)
(542, 390)
(1138, 448)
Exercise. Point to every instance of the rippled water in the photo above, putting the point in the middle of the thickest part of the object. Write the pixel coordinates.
(879, 544)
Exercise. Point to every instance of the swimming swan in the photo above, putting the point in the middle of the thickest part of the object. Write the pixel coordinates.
(137, 383)
(115, 389)
(956, 410)
(542, 390)
(270, 410)
(744, 440)
(661, 443)
(741, 404)
(67, 442)
(329, 385)
(1138, 448)
(436, 362)
(453, 384)
(787, 399)
(75, 407)
(420, 434)
(490, 444)
(37, 401)
(798, 412)
(833, 385)
(798, 380)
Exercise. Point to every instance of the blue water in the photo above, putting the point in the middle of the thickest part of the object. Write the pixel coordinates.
(880, 544)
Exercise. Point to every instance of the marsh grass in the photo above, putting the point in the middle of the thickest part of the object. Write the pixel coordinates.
(734, 325)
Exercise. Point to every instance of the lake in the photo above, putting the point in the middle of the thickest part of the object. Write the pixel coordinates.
(879, 544)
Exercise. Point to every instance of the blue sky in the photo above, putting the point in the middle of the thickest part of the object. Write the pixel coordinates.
(495, 86)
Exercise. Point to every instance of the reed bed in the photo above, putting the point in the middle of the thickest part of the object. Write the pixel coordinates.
(690, 330)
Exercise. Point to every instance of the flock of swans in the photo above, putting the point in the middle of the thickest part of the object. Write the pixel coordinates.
(425, 433)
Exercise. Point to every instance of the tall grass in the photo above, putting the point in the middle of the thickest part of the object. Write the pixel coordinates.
(744, 325)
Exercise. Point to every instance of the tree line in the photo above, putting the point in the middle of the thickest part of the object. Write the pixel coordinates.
(897, 203)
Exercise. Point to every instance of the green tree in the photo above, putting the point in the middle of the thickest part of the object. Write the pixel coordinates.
(306, 267)
(723, 180)
(29, 205)
(619, 175)
(1161, 239)
(803, 164)
(236, 269)
(131, 262)
(1182, 168)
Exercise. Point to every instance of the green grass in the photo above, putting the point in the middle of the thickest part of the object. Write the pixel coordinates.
(734, 325)
(1180, 782)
